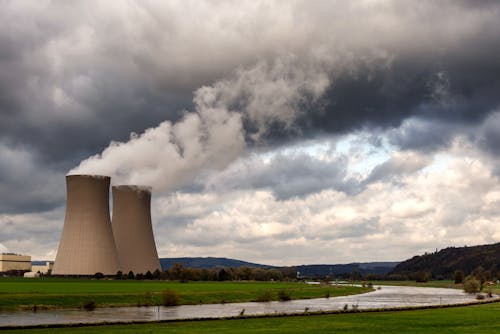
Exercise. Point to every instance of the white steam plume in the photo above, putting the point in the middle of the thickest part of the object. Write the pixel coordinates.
(213, 135)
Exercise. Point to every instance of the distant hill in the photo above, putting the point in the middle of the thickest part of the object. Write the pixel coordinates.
(314, 270)
(446, 261)
(208, 262)
(335, 270)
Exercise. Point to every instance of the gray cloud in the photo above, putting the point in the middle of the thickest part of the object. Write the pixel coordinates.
(77, 76)
(286, 175)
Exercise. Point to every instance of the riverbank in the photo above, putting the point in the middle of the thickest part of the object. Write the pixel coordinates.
(481, 318)
(58, 293)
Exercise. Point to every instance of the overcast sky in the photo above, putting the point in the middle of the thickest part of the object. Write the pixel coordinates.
(279, 132)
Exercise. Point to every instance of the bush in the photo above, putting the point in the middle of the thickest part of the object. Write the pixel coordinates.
(265, 296)
(284, 295)
(472, 285)
(98, 275)
(89, 306)
(170, 298)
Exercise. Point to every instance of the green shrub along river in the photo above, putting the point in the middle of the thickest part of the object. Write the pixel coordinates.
(19, 293)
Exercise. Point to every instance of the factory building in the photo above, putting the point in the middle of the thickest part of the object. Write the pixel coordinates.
(91, 244)
(42, 267)
(14, 262)
(132, 229)
(87, 245)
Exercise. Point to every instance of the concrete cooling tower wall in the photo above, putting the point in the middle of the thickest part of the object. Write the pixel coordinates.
(132, 229)
(87, 245)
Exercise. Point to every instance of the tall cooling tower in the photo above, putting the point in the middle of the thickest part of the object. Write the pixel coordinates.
(132, 229)
(87, 245)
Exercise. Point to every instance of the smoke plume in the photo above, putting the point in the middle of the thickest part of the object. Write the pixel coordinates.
(213, 135)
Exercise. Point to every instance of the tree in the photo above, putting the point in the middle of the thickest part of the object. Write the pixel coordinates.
(224, 275)
(458, 276)
(131, 275)
(175, 272)
(148, 275)
(472, 285)
(480, 274)
(157, 274)
(118, 275)
(422, 277)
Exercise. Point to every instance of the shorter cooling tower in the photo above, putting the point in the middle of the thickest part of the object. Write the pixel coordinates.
(132, 229)
(87, 245)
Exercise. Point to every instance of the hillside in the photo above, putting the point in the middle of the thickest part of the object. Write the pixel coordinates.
(313, 270)
(444, 262)
(208, 263)
(342, 270)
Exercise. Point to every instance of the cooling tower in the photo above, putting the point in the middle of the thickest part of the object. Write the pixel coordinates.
(132, 229)
(87, 245)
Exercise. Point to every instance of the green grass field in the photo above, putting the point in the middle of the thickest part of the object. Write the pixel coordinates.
(457, 320)
(67, 293)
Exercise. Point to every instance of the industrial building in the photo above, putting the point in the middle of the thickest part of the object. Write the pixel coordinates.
(42, 268)
(91, 244)
(14, 262)
(87, 245)
(132, 229)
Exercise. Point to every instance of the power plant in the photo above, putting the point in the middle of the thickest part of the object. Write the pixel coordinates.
(132, 229)
(88, 244)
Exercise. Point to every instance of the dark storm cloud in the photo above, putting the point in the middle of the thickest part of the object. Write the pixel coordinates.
(76, 75)
(24, 187)
(457, 86)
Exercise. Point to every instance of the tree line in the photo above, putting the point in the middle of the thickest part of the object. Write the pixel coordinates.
(180, 273)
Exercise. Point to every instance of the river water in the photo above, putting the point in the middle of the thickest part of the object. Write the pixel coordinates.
(385, 297)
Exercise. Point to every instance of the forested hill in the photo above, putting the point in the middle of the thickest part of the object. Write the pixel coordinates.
(208, 262)
(311, 271)
(444, 262)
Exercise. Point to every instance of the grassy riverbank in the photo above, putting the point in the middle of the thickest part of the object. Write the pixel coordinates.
(432, 284)
(73, 293)
(457, 320)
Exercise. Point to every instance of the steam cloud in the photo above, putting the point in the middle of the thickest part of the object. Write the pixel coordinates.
(213, 135)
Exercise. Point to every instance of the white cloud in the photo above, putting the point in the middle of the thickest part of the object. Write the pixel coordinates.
(427, 208)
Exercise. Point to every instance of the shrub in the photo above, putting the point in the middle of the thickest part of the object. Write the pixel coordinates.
(170, 298)
(89, 306)
(98, 275)
(472, 285)
(265, 296)
(284, 295)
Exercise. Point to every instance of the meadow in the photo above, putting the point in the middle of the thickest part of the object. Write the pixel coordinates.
(19, 293)
(457, 320)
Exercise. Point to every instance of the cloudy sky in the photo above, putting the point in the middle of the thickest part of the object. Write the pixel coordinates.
(280, 132)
